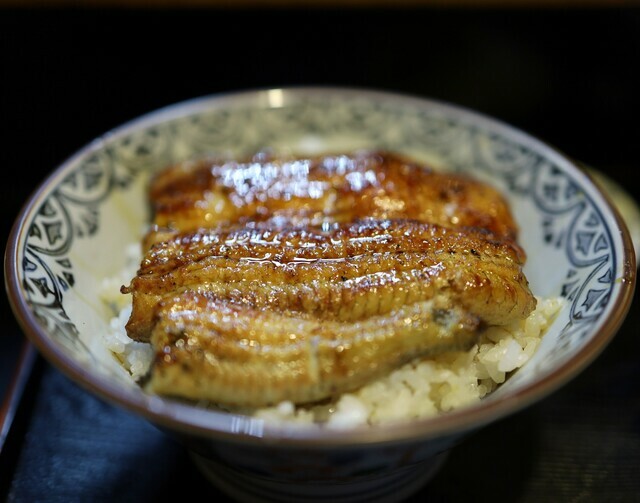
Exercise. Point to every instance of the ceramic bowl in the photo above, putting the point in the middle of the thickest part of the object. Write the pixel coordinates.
(73, 232)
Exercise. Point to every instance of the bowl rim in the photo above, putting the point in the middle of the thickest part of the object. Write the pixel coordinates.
(179, 417)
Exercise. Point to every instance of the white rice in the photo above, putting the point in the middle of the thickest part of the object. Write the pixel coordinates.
(134, 356)
(422, 388)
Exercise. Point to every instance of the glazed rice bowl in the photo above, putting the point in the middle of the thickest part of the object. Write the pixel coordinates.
(76, 242)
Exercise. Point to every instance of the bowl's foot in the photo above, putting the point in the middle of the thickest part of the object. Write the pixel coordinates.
(389, 487)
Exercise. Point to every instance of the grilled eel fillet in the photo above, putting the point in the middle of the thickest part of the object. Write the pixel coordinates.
(229, 353)
(302, 278)
(314, 190)
(252, 316)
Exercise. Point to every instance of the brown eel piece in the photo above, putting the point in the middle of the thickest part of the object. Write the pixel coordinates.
(300, 279)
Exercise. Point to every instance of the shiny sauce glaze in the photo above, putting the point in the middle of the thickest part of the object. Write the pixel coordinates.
(300, 278)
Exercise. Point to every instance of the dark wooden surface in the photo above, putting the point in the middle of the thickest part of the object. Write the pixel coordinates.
(567, 76)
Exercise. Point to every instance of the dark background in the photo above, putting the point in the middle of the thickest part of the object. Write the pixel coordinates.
(567, 75)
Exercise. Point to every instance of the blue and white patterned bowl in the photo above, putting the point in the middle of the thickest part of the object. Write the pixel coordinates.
(74, 231)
